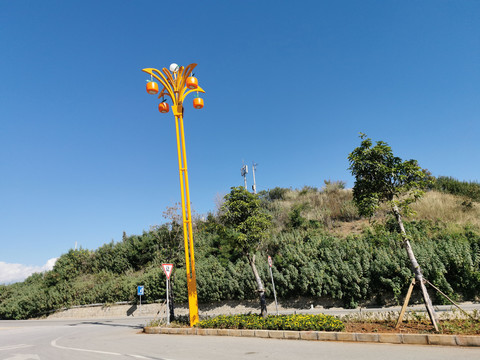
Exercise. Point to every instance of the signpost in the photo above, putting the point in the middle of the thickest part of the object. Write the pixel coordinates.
(167, 269)
(270, 264)
(140, 292)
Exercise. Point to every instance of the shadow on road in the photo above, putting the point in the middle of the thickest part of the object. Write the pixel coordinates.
(108, 323)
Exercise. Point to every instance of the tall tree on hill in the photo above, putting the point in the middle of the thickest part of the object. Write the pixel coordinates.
(381, 177)
(243, 215)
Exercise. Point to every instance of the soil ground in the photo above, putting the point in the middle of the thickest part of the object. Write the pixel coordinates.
(382, 327)
(464, 327)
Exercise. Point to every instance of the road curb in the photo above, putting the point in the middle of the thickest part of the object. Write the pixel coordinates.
(391, 338)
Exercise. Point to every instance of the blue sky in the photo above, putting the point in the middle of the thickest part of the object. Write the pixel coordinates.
(85, 154)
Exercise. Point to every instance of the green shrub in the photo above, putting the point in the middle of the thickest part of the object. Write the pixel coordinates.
(276, 193)
(318, 322)
(450, 185)
(295, 218)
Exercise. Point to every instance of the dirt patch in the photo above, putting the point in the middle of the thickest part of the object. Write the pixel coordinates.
(410, 328)
(464, 327)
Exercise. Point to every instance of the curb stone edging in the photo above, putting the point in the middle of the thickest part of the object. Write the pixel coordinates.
(391, 338)
(415, 339)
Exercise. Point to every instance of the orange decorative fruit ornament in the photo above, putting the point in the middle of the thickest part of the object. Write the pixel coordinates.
(152, 87)
(192, 82)
(163, 107)
(198, 103)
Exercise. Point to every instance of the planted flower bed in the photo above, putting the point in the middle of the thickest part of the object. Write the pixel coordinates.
(318, 322)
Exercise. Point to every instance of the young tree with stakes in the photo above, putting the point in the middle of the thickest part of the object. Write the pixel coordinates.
(381, 177)
(249, 225)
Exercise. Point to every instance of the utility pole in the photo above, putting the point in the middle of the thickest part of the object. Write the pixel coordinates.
(244, 172)
(254, 186)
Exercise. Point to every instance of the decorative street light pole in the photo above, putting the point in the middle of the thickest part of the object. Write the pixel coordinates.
(177, 83)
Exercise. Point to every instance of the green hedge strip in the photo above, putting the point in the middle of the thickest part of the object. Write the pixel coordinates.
(318, 322)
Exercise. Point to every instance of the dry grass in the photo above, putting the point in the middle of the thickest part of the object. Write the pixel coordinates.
(334, 209)
(329, 206)
(447, 208)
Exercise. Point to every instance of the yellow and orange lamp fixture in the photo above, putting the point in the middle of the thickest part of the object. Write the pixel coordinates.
(152, 87)
(177, 82)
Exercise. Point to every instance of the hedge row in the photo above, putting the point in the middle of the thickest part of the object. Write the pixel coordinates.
(318, 322)
(369, 267)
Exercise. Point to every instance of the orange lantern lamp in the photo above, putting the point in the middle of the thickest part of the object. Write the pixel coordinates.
(192, 82)
(198, 103)
(152, 87)
(163, 107)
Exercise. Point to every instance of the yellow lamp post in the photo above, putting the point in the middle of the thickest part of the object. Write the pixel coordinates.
(177, 83)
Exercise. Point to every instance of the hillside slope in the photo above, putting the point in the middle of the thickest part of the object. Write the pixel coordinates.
(320, 246)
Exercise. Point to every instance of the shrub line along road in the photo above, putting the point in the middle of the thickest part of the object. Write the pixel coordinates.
(123, 339)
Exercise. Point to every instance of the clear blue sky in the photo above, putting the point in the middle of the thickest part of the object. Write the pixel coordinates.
(85, 154)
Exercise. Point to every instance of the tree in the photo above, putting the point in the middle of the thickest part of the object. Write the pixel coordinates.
(241, 212)
(381, 177)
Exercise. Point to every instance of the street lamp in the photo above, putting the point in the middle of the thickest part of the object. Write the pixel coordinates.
(177, 83)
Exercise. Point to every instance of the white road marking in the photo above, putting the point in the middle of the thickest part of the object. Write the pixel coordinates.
(12, 347)
(24, 357)
(54, 344)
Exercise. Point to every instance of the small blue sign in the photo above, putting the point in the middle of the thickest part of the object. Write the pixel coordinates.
(140, 290)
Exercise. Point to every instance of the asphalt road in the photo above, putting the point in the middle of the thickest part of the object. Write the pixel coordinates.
(122, 339)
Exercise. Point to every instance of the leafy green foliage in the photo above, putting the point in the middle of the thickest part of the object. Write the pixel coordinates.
(248, 224)
(382, 177)
(243, 214)
(276, 193)
(295, 218)
(71, 264)
(450, 185)
(318, 322)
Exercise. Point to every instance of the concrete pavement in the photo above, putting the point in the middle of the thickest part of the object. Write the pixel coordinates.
(123, 339)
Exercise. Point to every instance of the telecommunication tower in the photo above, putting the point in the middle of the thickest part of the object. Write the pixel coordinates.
(254, 186)
(244, 172)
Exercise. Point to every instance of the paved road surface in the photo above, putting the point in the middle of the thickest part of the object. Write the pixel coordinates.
(119, 339)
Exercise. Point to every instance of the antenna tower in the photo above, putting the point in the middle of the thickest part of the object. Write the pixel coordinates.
(254, 186)
(244, 172)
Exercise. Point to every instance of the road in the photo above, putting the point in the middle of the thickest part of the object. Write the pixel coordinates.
(119, 339)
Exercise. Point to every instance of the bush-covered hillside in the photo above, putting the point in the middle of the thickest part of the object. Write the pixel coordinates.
(320, 246)
(467, 189)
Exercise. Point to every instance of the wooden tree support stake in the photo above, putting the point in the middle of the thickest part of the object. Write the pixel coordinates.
(453, 302)
(405, 304)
